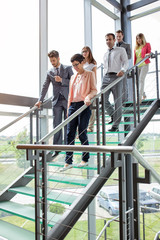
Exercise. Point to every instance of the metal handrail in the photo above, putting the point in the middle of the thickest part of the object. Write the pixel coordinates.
(92, 148)
(19, 118)
(108, 223)
(22, 116)
(145, 164)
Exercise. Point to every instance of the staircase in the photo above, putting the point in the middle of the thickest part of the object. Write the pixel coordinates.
(68, 180)
(87, 184)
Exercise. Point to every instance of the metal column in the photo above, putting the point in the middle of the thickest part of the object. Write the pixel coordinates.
(43, 58)
(88, 23)
(88, 42)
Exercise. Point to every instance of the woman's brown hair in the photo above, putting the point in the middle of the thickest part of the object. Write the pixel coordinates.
(90, 56)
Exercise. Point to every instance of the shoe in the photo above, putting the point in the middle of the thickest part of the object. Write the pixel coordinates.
(89, 130)
(55, 154)
(144, 96)
(113, 129)
(82, 164)
(111, 121)
(66, 167)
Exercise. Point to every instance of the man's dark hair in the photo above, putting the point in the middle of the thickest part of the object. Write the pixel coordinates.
(53, 53)
(120, 31)
(77, 57)
(112, 34)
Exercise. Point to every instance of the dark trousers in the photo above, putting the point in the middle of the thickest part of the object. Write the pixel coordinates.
(116, 90)
(81, 121)
(59, 113)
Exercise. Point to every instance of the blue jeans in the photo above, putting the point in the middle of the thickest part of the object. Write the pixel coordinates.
(81, 121)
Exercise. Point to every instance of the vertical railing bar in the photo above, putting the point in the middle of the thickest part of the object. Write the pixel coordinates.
(136, 201)
(138, 101)
(105, 231)
(37, 198)
(157, 80)
(44, 196)
(98, 134)
(120, 205)
(37, 125)
(134, 97)
(31, 132)
(103, 127)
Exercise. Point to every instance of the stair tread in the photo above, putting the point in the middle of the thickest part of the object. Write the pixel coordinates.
(109, 132)
(79, 153)
(12, 232)
(60, 164)
(26, 212)
(107, 143)
(62, 179)
(51, 196)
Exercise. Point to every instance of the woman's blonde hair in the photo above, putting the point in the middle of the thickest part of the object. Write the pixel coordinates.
(90, 56)
(142, 37)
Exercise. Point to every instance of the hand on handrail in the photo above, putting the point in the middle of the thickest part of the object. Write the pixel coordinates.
(38, 104)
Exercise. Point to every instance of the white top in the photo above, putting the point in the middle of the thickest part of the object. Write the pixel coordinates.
(118, 60)
(89, 66)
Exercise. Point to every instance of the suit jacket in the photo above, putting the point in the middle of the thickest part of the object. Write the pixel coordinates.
(58, 88)
(127, 47)
(146, 49)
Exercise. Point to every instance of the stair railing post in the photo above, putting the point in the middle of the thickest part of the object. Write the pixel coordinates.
(44, 196)
(37, 197)
(98, 133)
(157, 80)
(31, 132)
(136, 181)
(103, 127)
(37, 126)
(122, 199)
(136, 202)
(137, 85)
(134, 96)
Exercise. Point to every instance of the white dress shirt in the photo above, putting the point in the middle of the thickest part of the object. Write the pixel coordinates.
(89, 66)
(118, 60)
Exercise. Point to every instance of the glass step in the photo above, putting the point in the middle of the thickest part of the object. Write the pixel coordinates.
(27, 212)
(62, 179)
(51, 196)
(79, 153)
(122, 123)
(95, 143)
(109, 132)
(12, 232)
(143, 101)
(60, 164)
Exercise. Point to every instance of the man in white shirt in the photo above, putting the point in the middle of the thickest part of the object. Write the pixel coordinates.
(115, 65)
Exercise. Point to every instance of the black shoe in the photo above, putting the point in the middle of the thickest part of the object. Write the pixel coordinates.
(111, 121)
(55, 154)
(113, 129)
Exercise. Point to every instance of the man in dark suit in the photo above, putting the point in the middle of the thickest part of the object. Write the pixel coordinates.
(126, 46)
(59, 76)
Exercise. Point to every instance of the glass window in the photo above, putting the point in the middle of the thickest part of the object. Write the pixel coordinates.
(19, 47)
(101, 25)
(65, 28)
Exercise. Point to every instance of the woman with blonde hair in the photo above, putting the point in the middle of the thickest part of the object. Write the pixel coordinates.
(142, 49)
(91, 65)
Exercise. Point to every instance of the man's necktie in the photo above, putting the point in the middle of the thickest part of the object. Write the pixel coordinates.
(57, 73)
(109, 55)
